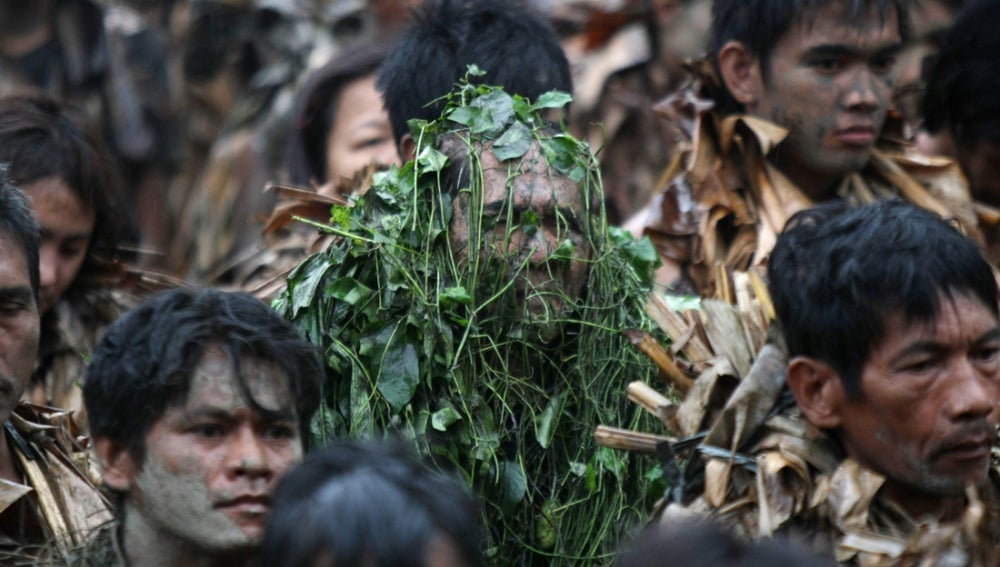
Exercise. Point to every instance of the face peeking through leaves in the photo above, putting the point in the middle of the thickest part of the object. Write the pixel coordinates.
(529, 220)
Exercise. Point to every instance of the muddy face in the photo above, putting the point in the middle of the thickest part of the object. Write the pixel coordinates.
(212, 463)
(533, 229)
(926, 415)
(829, 81)
(18, 324)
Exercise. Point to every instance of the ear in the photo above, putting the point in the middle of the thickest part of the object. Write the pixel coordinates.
(818, 391)
(118, 468)
(407, 147)
(741, 73)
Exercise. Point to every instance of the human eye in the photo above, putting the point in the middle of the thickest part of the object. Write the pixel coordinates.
(280, 431)
(883, 64)
(920, 365)
(827, 65)
(208, 430)
(987, 354)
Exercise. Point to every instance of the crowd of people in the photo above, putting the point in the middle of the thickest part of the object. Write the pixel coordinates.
(352, 283)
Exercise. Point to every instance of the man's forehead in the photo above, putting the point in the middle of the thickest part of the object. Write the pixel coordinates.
(847, 21)
(214, 381)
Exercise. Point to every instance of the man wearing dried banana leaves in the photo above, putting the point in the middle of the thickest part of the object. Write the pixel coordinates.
(47, 496)
(877, 441)
(792, 109)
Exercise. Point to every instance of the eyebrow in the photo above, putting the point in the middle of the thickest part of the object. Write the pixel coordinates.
(836, 50)
(16, 293)
(920, 347)
(43, 232)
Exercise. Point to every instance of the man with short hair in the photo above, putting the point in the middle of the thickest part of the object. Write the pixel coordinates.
(876, 442)
(46, 496)
(797, 113)
(199, 402)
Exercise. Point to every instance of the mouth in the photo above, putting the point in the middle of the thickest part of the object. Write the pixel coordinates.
(969, 448)
(856, 136)
(249, 506)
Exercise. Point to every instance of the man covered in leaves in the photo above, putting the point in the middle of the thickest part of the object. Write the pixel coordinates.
(474, 305)
(877, 440)
(792, 109)
(46, 490)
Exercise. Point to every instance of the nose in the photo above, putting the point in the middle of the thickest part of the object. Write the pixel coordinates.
(246, 456)
(972, 394)
(535, 246)
(48, 266)
(862, 91)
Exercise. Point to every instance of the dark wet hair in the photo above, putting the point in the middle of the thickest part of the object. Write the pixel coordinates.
(307, 149)
(145, 362)
(39, 138)
(17, 221)
(760, 24)
(516, 48)
(707, 544)
(368, 504)
(961, 93)
(837, 274)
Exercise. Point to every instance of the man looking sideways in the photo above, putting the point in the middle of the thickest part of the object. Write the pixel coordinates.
(199, 403)
(798, 100)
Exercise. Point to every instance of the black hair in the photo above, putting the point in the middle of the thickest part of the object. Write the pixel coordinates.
(706, 544)
(962, 84)
(306, 155)
(516, 48)
(367, 504)
(837, 274)
(18, 222)
(760, 24)
(145, 362)
(40, 138)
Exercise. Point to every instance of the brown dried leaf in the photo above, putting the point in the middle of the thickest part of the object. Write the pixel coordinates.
(752, 400)
(724, 329)
(710, 391)
(717, 481)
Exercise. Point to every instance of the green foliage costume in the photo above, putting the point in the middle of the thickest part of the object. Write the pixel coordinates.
(456, 352)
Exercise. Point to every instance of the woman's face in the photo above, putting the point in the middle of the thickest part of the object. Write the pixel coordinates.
(67, 225)
(361, 132)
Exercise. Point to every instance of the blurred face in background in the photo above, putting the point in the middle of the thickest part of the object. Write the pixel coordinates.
(67, 226)
(360, 133)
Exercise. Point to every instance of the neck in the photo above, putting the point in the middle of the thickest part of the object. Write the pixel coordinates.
(817, 186)
(146, 545)
(921, 505)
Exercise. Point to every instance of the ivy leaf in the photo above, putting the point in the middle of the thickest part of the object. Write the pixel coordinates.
(553, 99)
(512, 482)
(348, 290)
(640, 254)
(547, 422)
(311, 273)
(431, 160)
(340, 216)
(399, 368)
(513, 143)
(444, 417)
(525, 112)
(564, 251)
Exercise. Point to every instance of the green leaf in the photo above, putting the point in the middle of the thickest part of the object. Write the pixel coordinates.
(340, 216)
(348, 290)
(547, 422)
(514, 142)
(564, 251)
(553, 99)
(431, 159)
(681, 303)
(455, 295)
(513, 484)
(309, 275)
(399, 370)
(640, 254)
(444, 417)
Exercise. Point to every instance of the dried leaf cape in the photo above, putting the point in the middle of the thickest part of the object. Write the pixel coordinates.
(60, 490)
(723, 202)
(438, 348)
(740, 451)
